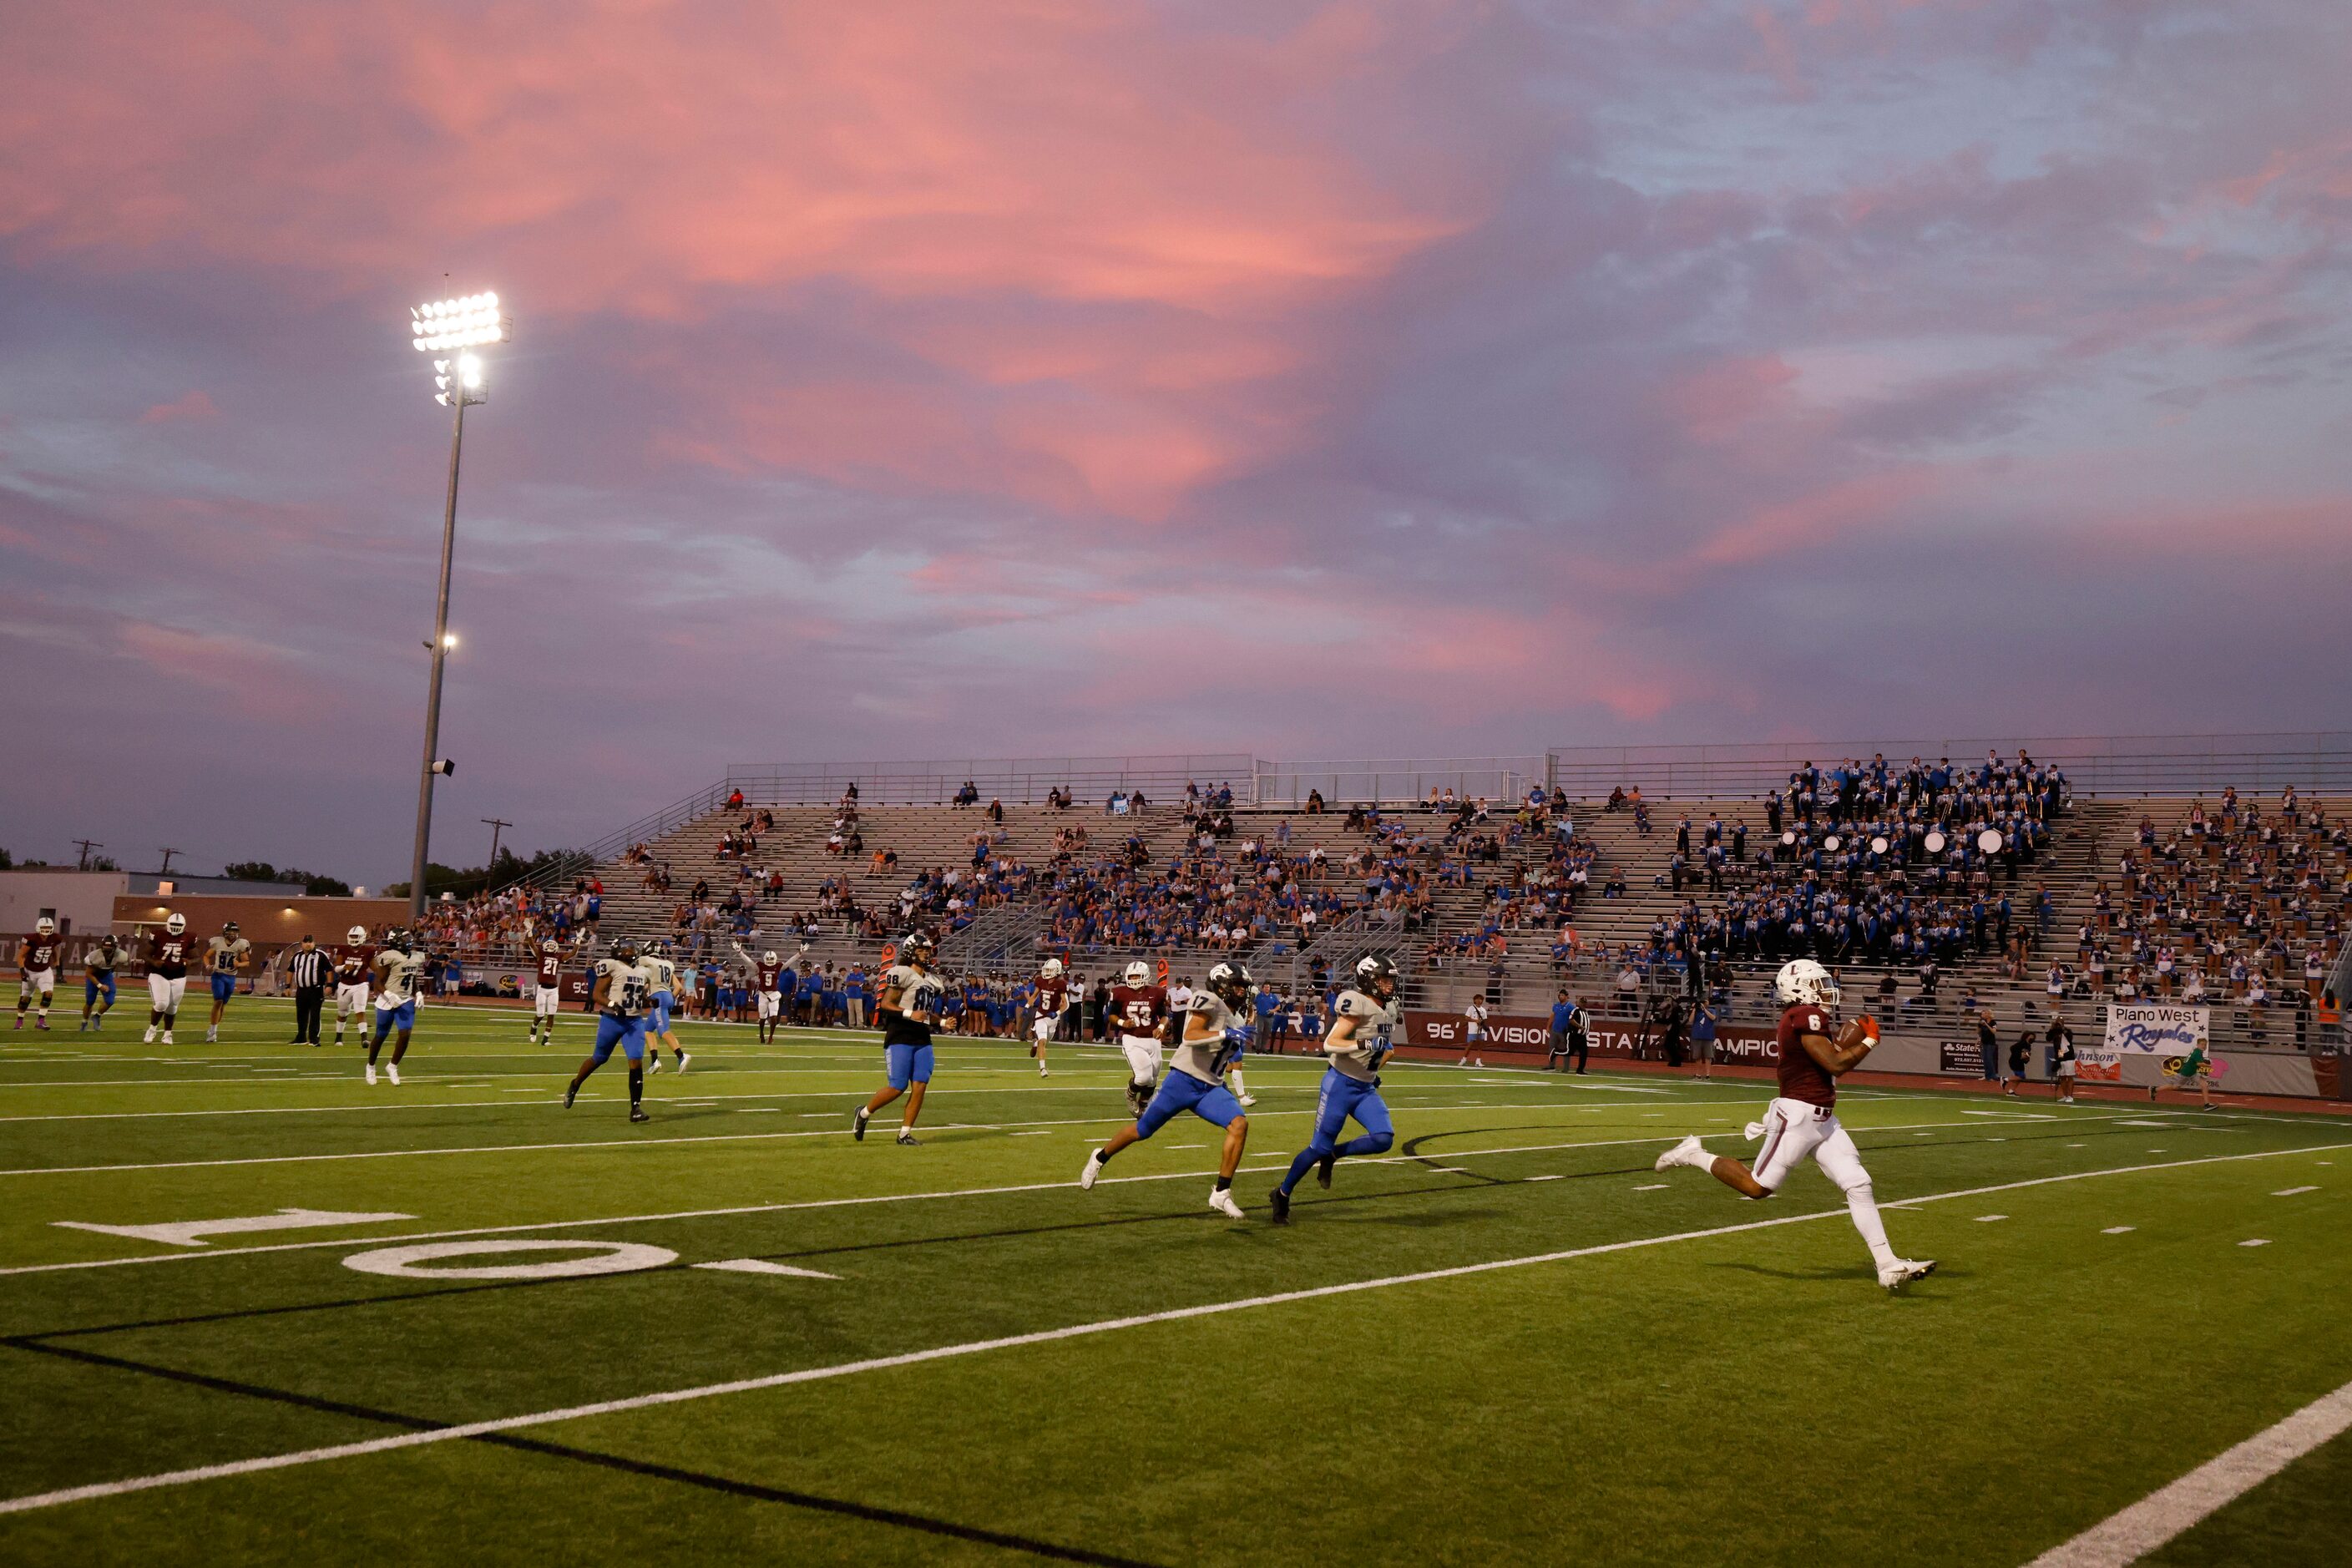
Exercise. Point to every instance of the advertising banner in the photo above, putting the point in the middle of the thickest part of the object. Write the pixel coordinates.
(1623, 1038)
(2141, 1031)
(1963, 1058)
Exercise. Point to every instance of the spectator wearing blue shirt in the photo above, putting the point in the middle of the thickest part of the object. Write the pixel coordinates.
(1702, 1038)
(852, 989)
(1569, 1035)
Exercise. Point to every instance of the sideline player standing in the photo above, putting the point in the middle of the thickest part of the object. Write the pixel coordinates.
(224, 955)
(167, 975)
(1363, 1026)
(1138, 1010)
(661, 971)
(1049, 993)
(402, 964)
(36, 970)
(622, 995)
(98, 981)
(1802, 1120)
(1215, 1031)
(353, 958)
(908, 1005)
(547, 992)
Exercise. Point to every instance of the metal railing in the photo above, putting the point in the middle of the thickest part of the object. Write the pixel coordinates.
(2093, 764)
(1396, 781)
(1023, 781)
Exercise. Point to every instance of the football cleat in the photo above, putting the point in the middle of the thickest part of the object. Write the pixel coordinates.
(148, 1038)
(1752, 1132)
(1278, 1205)
(571, 1093)
(167, 1036)
(638, 1113)
(1094, 1168)
(371, 1072)
(1248, 1100)
(1904, 1270)
(1323, 1169)
(654, 1066)
(1221, 1200)
(683, 1059)
(391, 1071)
(1689, 1151)
(857, 1126)
(907, 1140)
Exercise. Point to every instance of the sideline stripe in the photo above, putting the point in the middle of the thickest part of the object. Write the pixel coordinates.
(1047, 1336)
(843, 1203)
(2163, 1514)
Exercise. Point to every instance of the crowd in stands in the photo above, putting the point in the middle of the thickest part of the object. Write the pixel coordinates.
(2233, 908)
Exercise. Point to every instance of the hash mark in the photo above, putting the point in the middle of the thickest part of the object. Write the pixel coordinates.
(2290, 1192)
(2117, 1229)
(2256, 1242)
(1988, 1218)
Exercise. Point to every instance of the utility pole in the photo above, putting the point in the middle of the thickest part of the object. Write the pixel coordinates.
(167, 862)
(495, 823)
(85, 846)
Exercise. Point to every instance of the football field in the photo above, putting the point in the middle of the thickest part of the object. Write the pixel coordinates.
(253, 1310)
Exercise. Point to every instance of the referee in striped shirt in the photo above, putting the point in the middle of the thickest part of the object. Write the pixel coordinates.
(308, 973)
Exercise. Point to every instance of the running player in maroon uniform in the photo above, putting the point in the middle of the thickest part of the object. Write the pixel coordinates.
(355, 959)
(1803, 1120)
(1050, 991)
(36, 970)
(547, 995)
(1138, 1012)
(167, 975)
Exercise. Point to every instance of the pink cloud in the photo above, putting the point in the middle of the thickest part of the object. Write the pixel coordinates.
(196, 404)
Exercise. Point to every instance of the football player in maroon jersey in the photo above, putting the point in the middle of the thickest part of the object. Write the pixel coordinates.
(767, 989)
(36, 970)
(167, 975)
(547, 996)
(1049, 993)
(1802, 1119)
(1139, 1011)
(354, 962)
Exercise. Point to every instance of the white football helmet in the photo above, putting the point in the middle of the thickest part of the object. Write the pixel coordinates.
(45, 926)
(769, 956)
(1051, 968)
(356, 935)
(177, 923)
(1139, 973)
(1801, 980)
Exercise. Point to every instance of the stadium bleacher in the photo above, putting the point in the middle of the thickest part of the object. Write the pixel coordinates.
(2082, 904)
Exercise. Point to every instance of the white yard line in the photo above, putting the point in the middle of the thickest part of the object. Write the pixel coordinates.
(2155, 1519)
(852, 1201)
(628, 1143)
(2310, 1427)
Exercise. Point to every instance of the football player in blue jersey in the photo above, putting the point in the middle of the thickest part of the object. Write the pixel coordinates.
(1216, 1031)
(622, 997)
(1363, 1028)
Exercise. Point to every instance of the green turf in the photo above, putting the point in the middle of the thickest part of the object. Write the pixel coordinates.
(1747, 1396)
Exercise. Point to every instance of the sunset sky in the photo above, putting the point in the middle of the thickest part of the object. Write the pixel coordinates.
(1322, 380)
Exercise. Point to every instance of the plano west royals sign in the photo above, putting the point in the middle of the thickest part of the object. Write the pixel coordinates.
(2143, 1031)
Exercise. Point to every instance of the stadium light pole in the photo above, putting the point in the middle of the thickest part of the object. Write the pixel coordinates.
(460, 326)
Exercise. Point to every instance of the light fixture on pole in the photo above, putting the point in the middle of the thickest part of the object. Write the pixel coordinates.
(461, 325)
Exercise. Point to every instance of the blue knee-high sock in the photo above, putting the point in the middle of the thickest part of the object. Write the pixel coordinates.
(1369, 1144)
(1306, 1160)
